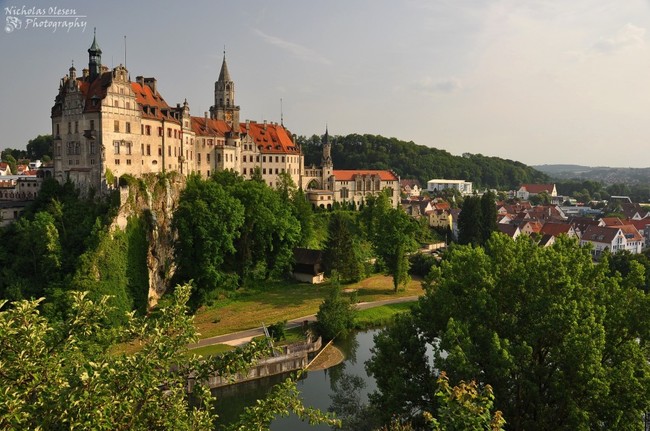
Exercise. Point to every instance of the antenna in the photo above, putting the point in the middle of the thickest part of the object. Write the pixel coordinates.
(125, 51)
(281, 114)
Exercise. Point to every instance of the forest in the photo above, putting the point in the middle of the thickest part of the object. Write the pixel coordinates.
(409, 160)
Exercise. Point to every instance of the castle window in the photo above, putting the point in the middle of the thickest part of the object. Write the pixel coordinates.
(69, 127)
(128, 127)
(117, 161)
(198, 157)
(116, 103)
(159, 151)
(148, 150)
(142, 129)
(128, 161)
(160, 131)
(142, 149)
(116, 126)
(277, 159)
(207, 157)
(128, 148)
(264, 171)
(283, 159)
(264, 159)
(169, 151)
(244, 171)
(91, 148)
(169, 133)
(128, 105)
(116, 147)
(76, 127)
(147, 130)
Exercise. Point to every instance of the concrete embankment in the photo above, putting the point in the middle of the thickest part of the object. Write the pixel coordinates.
(291, 358)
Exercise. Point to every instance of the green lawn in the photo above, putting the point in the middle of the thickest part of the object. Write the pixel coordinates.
(274, 302)
(379, 316)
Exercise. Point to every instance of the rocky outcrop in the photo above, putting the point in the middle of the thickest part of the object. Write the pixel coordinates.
(153, 197)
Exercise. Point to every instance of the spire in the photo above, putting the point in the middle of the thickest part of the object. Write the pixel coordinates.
(94, 58)
(95, 47)
(224, 75)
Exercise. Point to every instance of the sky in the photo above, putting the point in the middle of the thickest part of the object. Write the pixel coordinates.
(538, 81)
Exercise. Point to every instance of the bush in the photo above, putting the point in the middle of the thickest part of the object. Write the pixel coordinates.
(335, 315)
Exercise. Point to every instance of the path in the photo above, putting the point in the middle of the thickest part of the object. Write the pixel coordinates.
(241, 337)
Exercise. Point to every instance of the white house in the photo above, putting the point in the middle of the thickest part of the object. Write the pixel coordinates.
(436, 185)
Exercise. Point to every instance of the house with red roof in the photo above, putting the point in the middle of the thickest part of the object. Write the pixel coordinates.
(612, 238)
(525, 191)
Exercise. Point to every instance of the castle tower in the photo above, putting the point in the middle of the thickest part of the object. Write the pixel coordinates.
(94, 58)
(326, 161)
(224, 97)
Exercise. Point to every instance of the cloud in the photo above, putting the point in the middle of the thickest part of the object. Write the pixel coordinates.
(629, 36)
(302, 52)
(428, 85)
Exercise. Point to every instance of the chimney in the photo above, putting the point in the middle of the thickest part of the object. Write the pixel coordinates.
(264, 125)
(151, 83)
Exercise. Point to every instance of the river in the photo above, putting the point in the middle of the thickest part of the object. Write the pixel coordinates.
(315, 388)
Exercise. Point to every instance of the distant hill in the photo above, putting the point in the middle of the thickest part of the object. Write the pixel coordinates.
(603, 174)
(420, 162)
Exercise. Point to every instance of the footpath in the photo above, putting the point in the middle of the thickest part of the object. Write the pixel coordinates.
(242, 337)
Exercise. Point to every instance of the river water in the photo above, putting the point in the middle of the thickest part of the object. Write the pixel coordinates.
(315, 388)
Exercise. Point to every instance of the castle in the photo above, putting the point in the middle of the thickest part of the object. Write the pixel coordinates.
(105, 125)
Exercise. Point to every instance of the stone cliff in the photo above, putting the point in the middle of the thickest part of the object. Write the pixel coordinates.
(154, 198)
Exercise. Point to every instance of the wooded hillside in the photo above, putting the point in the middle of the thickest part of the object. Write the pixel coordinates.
(410, 160)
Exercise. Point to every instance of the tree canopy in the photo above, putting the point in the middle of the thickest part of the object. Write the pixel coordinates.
(52, 377)
(562, 340)
(421, 162)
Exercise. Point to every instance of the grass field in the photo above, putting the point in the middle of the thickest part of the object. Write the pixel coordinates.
(277, 301)
(380, 316)
(284, 301)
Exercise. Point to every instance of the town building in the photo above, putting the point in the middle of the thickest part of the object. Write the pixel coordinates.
(438, 185)
(105, 126)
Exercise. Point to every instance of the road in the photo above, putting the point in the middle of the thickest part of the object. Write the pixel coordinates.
(241, 337)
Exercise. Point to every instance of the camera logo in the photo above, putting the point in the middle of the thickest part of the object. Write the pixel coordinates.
(12, 23)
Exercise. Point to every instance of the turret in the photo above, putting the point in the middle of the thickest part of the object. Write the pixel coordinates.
(94, 58)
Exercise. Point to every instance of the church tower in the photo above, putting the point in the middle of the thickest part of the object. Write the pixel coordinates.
(224, 97)
(94, 58)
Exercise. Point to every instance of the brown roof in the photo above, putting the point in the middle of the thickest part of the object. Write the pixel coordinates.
(556, 229)
(270, 138)
(631, 233)
(209, 127)
(508, 229)
(349, 175)
(612, 221)
(145, 96)
(602, 234)
(538, 188)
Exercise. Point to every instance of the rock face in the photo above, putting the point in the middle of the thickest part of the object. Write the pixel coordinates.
(153, 197)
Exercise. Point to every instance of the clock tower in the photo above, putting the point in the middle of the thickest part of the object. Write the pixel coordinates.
(224, 98)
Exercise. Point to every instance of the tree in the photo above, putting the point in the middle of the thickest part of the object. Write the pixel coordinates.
(405, 379)
(341, 254)
(267, 235)
(392, 234)
(470, 221)
(465, 407)
(488, 216)
(335, 315)
(40, 147)
(561, 340)
(53, 378)
(208, 221)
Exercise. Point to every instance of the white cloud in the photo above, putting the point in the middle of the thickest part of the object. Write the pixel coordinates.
(293, 48)
(629, 36)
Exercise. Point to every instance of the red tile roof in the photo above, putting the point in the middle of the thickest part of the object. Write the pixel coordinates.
(270, 138)
(145, 96)
(538, 188)
(612, 221)
(213, 128)
(349, 175)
